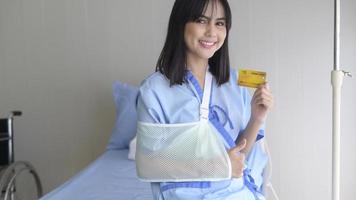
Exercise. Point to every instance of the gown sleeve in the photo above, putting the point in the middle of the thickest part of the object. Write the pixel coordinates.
(148, 106)
(247, 113)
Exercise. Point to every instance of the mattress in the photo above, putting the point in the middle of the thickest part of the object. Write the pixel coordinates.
(111, 177)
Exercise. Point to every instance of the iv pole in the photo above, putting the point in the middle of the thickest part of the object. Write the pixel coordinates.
(337, 77)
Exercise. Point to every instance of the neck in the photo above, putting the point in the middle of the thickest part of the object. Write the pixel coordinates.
(198, 67)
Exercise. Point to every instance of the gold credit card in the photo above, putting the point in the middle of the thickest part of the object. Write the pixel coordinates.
(251, 78)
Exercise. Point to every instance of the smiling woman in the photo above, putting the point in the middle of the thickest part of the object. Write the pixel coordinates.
(193, 98)
(204, 36)
(59, 59)
(192, 28)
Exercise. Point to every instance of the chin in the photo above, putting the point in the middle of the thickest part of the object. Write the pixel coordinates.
(208, 56)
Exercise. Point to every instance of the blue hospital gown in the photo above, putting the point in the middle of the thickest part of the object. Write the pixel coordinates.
(229, 108)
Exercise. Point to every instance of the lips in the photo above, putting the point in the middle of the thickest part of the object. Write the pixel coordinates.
(207, 44)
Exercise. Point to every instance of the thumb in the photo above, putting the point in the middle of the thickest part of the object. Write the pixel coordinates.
(267, 85)
(240, 146)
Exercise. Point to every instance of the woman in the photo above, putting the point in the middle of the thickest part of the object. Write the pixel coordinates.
(197, 45)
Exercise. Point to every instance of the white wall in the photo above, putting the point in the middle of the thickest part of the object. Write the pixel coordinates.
(58, 59)
(292, 40)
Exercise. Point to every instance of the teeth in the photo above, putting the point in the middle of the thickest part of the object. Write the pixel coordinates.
(207, 43)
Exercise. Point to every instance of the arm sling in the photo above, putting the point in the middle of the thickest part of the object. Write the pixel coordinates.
(182, 152)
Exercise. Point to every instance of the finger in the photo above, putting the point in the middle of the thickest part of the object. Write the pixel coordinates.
(256, 94)
(241, 158)
(264, 85)
(261, 85)
(264, 102)
(263, 95)
(264, 98)
(268, 93)
(264, 91)
(261, 92)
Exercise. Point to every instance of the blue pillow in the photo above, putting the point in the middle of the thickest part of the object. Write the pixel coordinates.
(126, 116)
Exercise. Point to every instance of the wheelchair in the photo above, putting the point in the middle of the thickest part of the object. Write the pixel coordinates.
(11, 171)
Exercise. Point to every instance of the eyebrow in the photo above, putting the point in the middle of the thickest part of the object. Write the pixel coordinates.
(209, 18)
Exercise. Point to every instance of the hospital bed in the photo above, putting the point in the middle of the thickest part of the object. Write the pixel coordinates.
(112, 176)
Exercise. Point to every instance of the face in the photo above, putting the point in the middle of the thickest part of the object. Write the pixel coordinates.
(207, 34)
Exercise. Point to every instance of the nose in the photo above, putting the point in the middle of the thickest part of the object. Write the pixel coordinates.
(210, 30)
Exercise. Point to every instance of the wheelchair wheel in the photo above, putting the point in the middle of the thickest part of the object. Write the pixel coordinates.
(16, 182)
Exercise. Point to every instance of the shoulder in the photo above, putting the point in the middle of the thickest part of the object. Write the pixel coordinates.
(148, 101)
(160, 102)
(155, 82)
(233, 76)
(151, 89)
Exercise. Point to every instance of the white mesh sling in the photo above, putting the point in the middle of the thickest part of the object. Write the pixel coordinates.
(182, 152)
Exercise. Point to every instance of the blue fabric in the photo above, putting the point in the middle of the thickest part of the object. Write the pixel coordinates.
(249, 181)
(229, 142)
(126, 116)
(256, 162)
(186, 185)
(158, 102)
(110, 177)
(213, 114)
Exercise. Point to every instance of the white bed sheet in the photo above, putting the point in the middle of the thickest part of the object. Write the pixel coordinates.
(111, 177)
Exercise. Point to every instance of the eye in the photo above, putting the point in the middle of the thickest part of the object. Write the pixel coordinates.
(221, 23)
(201, 21)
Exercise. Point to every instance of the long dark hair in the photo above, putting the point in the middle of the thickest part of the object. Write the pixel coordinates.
(172, 60)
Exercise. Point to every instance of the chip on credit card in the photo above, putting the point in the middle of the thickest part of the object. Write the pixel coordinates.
(251, 78)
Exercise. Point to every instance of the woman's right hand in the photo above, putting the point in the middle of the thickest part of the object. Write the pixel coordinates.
(237, 160)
